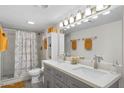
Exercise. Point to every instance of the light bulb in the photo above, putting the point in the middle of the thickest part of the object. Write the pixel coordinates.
(87, 12)
(78, 16)
(61, 24)
(71, 20)
(65, 22)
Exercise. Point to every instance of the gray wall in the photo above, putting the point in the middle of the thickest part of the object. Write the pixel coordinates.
(8, 57)
(39, 51)
(122, 79)
(67, 44)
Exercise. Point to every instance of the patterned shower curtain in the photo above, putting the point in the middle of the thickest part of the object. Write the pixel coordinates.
(25, 52)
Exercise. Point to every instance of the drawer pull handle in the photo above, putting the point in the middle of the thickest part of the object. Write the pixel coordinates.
(59, 75)
(58, 85)
(75, 85)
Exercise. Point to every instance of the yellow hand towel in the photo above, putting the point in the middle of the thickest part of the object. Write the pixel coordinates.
(45, 43)
(52, 29)
(88, 43)
(74, 44)
(20, 84)
(3, 40)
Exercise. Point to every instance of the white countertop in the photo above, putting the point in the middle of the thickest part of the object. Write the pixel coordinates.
(105, 81)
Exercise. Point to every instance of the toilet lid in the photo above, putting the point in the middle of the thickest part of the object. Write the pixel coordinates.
(35, 70)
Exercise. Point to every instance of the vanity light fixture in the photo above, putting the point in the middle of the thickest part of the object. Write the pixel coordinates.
(61, 24)
(90, 13)
(106, 13)
(31, 22)
(66, 22)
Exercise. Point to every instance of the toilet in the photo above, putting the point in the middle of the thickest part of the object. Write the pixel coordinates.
(35, 75)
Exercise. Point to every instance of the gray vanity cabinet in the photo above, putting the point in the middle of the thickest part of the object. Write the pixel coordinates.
(54, 78)
(59, 84)
(48, 81)
(75, 83)
(48, 77)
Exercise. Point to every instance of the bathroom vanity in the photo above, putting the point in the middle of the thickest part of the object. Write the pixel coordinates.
(53, 78)
(66, 75)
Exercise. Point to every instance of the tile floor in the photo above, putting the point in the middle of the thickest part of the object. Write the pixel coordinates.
(36, 85)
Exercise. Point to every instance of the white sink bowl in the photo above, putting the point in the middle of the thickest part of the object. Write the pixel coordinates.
(90, 72)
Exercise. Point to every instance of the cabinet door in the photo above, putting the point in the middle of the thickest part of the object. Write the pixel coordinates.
(115, 85)
(48, 80)
(59, 75)
(48, 69)
(74, 83)
(58, 84)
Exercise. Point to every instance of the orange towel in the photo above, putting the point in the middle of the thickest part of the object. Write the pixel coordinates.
(52, 29)
(3, 40)
(49, 30)
(45, 43)
(15, 85)
(74, 44)
(88, 43)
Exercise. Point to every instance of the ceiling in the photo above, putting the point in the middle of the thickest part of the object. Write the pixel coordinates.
(16, 16)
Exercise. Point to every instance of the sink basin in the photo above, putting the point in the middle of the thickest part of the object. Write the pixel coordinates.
(90, 72)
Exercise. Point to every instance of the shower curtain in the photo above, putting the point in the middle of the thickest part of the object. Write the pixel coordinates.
(25, 52)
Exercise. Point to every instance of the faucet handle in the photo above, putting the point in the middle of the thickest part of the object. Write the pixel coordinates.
(102, 58)
(117, 63)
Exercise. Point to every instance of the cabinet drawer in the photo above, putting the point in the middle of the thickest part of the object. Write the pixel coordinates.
(48, 81)
(60, 76)
(58, 84)
(48, 69)
(74, 83)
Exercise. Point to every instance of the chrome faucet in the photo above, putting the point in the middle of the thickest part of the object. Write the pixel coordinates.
(96, 60)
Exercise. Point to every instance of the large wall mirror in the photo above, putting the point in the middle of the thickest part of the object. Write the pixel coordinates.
(107, 28)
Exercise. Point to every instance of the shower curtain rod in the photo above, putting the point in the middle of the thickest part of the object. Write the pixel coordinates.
(21, 30)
